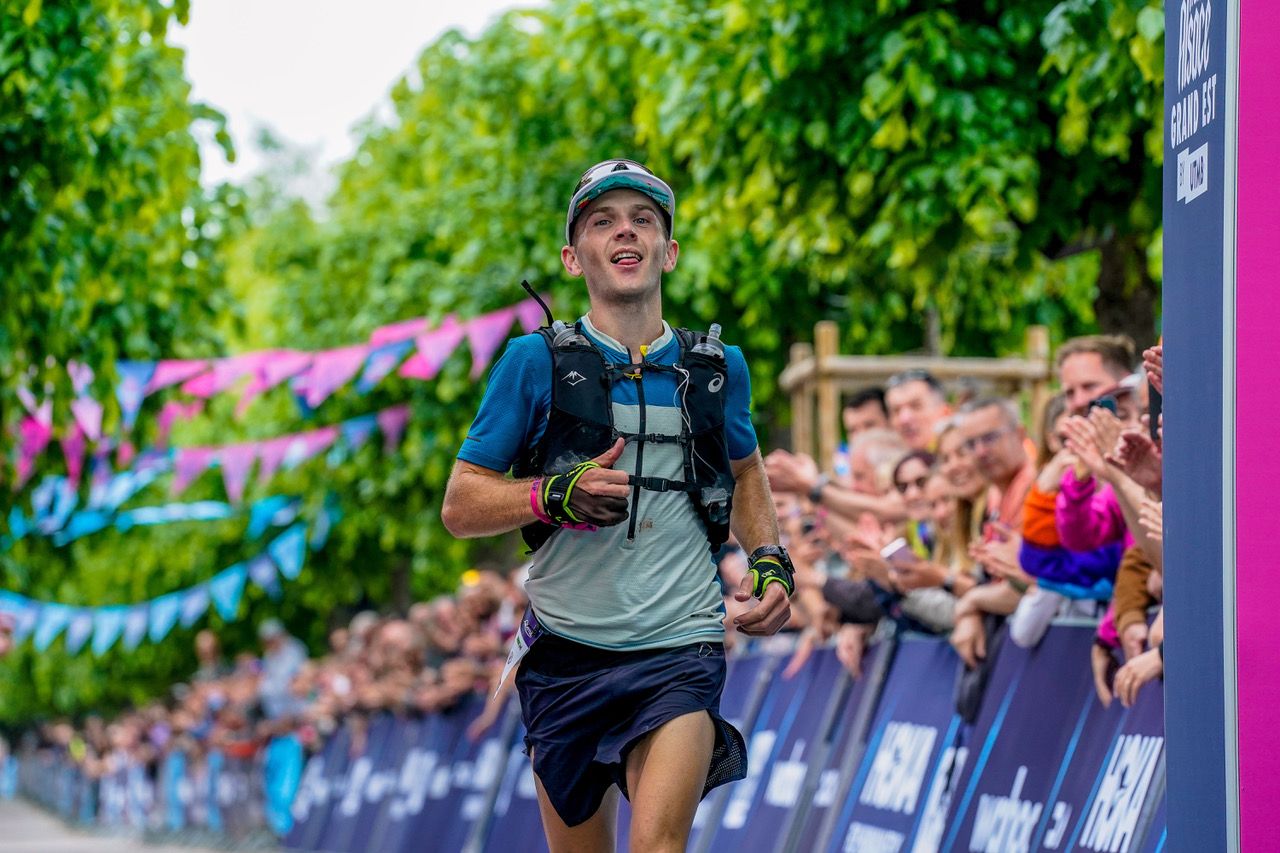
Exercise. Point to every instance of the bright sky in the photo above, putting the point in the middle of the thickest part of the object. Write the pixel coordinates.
(309, 69)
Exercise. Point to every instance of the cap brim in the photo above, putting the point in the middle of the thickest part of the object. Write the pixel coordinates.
(651, 185)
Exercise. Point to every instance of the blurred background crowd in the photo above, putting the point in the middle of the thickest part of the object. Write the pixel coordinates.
(941, 513)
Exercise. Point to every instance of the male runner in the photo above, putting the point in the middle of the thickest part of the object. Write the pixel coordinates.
(638, 445)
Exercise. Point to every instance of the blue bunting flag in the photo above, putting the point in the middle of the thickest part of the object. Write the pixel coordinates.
(288, 550)
(227, 587)
(164, 613)
(108, 622)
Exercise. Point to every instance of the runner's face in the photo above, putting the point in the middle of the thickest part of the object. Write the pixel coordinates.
(621, 247)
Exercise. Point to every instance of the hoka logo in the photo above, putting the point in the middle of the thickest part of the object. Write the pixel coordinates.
(573, 377)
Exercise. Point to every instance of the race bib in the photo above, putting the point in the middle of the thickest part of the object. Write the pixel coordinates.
(525, 637)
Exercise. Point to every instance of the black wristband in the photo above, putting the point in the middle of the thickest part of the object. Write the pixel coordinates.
(770, 564)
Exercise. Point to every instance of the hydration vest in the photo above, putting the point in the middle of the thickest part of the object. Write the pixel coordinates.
(580, 427)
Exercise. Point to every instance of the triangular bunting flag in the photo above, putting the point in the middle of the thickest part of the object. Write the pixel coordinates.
(88, 414)
(530, 315)
(402, 331)
(135, 626)
(172, 371)
(164, 613)
(263, 573)
(331, 370)
(81, 376)
(392, 423)
(50, 621)
(78, 631)
(190, 463)
(263, 514)
(485, 334)
(73, 446)
(288, 550)
(357, 430)
(175, 410)
(108, 622)
(434, 349)
(195, 602)
(278, 366)
(131, 390)
(306, 445)
(381, 362)
(226, 587)
(235, 460)
(270, 454)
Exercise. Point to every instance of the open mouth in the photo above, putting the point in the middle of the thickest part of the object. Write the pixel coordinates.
(625, 258)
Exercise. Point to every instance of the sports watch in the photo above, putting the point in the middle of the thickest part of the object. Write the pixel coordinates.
(770, 564)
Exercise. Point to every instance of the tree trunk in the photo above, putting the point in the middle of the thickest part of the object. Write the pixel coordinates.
(1127, 295)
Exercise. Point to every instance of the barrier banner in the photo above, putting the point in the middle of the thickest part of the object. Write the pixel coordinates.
(843, 738)
(745, 680)
(409, 788)
(352, 813)
(910, 753)
(517, 825)
(317, 790)
(1051, 768)
(785, 731)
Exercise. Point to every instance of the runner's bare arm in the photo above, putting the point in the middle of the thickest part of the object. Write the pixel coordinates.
(754, 522)
(482, 502)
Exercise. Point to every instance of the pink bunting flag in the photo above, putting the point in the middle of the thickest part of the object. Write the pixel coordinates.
(34, 436)
(392, 422)
(485, 334)
(73, 447)
(236, 460)
(332, 369)
(81, 376)
(189, 464)
(401, 331)
(125, 454)
(270, 454)
(308, 444)
(530, 315)
(173, 371)
(278, 366)
(172, 411)
(434, 348)
(27, 399)
(88, 414)
(225, 373)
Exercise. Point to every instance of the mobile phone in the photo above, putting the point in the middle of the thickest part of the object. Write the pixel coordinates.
(898, 551)
(1106, 401)
(1155, 405)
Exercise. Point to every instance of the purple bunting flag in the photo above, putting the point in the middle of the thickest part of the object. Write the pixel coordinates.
(485, 334)
(81, 376)
(270, 454)
(236, 460)
(172, 371)
(356, 431)
(263, 573)
(194, 603)
(278, 366)
(190, 463)
(73, 447)
(530, 315)
(402, 331)
(331, 370)
(392, 422)
(88, 414)
(434, 348)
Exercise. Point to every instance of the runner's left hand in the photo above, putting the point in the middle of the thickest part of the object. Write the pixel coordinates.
(767, 617)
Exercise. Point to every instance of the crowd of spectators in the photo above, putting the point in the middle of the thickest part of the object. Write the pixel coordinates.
(939, 514)
(944, 514)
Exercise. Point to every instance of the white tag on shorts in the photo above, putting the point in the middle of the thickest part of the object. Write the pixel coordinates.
(526, 635)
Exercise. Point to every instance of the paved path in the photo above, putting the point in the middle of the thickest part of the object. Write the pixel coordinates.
(26, 829)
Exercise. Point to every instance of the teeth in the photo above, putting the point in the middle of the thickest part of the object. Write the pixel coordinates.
(622, 256)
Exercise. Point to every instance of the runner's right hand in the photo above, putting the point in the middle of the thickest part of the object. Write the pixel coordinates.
(598, 495)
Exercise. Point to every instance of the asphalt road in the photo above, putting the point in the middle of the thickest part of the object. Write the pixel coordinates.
(26, 829)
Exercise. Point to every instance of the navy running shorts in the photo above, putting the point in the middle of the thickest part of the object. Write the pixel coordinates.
(584, 708)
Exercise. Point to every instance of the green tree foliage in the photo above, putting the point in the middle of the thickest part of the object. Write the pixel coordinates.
(109, 247)
(985, 164)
